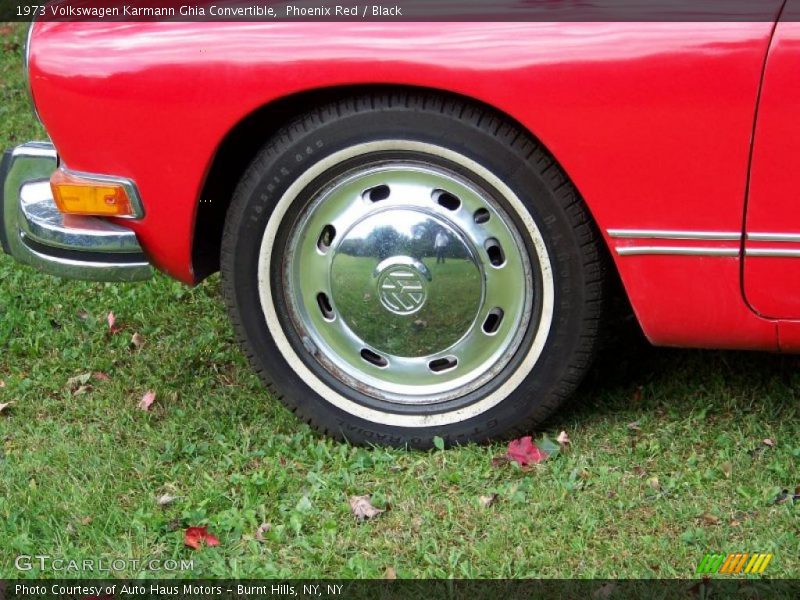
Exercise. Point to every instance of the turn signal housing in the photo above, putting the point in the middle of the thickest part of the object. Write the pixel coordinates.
(77, 195)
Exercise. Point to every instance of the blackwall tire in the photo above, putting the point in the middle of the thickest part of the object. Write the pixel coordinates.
(404, 266)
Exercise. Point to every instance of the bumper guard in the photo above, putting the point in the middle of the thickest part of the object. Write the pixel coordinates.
(36, 233)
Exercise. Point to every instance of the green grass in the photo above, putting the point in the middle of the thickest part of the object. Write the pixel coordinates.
(79, 473)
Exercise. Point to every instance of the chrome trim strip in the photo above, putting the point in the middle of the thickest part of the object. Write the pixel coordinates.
(773, 237)
(706, 236)
(676, 250)
(669, 234)
(82, 265)
(772, 252)
(35, 150)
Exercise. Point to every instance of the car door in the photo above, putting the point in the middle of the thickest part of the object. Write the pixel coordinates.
(772, 224)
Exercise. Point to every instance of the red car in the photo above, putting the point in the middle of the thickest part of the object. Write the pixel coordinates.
(416, 224)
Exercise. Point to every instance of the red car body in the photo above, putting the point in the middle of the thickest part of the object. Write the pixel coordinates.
(682, 138)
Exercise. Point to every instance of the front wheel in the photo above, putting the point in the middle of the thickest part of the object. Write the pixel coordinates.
(400, 267)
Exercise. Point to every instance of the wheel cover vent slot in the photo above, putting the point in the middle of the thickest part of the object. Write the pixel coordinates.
(374, 358)
(495, 251)
(441, 365)
(325, 306)
(481, 216)
(493, 321)
(378, 193)
(446, 200)
(326, 238)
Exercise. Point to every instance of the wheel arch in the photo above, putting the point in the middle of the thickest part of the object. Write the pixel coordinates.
(243, 141)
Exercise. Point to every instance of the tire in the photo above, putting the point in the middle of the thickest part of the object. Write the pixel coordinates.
(404, 266)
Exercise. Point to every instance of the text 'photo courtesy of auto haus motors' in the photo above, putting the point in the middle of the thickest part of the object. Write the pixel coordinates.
(420, 228)
(133, 589)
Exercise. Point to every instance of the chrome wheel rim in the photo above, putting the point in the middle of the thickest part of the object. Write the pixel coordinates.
(408, 282)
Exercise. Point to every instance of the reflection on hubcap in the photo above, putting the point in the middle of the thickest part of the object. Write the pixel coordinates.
(416, 301)
(409, 282)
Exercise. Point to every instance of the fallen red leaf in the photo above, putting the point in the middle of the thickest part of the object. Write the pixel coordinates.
(197, 536)
(524, 452)
(262, 530)
(147, 400)
(112, 320)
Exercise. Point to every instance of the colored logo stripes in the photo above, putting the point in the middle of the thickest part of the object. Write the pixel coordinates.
(734, 564)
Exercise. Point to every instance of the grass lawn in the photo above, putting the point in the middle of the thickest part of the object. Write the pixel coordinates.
(79, 473)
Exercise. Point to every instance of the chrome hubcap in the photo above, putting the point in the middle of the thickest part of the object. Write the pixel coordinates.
(401, 307)
(408, 282)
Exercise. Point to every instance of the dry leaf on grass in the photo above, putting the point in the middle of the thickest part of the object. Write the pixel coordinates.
(710, 519)
(100, 376)
(137, 341)
(499, 461)
(769, 442)
(362, 507)
(147, 401)
(782, 498)
(4, 406)
(487, 501)
(262, 530)
(86, 521)
(654, 483)
(197, 536)
(2, 384)
(390, 573)
(75, 383)
(165, 499)
(563, 440)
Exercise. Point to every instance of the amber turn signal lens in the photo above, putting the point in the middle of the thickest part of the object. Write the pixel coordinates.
(75, 195)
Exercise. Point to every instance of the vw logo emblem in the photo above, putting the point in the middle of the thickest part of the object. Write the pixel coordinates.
(402, 289)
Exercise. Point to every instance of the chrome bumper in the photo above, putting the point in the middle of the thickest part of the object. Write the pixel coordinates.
(36, 233)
